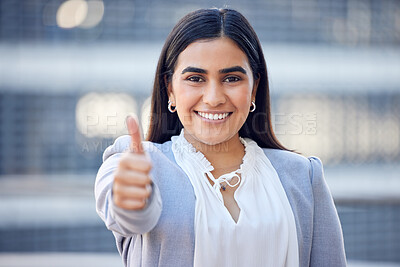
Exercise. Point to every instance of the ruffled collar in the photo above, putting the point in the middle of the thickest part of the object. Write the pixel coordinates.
(186, 150)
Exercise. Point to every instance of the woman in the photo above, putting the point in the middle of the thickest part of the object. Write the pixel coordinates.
(212, 186)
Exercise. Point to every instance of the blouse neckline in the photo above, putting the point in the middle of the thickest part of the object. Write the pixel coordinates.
(182, 145)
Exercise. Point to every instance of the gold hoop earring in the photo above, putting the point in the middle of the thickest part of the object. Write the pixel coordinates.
(170, 107)
(253, 106)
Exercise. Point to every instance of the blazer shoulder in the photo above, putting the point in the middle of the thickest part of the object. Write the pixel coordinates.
(286, 158)
(290, 162)
(121, 145)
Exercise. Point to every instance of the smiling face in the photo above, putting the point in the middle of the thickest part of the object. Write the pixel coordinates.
(212, 87)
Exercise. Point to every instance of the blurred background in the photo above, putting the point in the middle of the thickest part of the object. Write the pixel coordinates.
(71, 70)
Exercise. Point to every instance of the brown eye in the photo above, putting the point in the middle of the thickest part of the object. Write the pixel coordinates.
(195, 79)
(231, 79)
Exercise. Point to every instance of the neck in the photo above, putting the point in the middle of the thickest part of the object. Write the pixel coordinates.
(226, 155)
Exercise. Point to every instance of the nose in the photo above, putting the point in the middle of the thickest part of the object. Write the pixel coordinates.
(213, 94)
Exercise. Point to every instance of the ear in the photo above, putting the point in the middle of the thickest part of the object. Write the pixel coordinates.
(171, 95)
(255, 87)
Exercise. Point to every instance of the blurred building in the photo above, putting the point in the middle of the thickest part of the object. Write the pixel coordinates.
(71, 70)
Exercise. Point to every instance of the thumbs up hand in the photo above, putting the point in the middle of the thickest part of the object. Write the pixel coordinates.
(132, 183)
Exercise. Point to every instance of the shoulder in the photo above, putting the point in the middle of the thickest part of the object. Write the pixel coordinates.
(284, 156)
(121, 145)
(291, 164)
(286, 159)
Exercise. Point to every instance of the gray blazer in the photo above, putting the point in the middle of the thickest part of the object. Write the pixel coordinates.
(162, 234)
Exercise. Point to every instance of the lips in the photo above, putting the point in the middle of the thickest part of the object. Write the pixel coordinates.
(213, 116)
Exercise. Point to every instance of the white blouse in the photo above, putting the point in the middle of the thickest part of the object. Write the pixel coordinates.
(265, 232)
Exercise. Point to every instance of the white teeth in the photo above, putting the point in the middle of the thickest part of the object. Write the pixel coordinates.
(210, 116)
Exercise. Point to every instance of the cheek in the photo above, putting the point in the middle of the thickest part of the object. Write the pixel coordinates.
(186, 99)
(242, 98)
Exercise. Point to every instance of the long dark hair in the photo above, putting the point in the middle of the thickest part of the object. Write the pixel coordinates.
(210, 24)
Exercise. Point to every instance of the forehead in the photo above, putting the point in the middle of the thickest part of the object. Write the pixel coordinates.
(212, 54)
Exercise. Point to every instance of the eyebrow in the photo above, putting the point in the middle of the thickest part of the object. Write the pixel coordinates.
(193, 69)
(233, 69)
(226, 70)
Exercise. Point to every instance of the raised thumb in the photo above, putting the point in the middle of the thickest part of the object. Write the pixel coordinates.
(132, 123)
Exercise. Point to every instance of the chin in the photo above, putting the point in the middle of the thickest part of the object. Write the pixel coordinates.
(212, 143)
(213, 140)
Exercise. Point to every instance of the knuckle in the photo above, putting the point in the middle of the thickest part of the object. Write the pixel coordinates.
(146, 180)
(124, 160)
(148, 166)
(130, 204)
(115, 188)
(140, 193)
(120, 175)
(141, 204)
(143, 163)
(134, 205)
(117, 174)
(117, 200)
(148, 191)
(118, 190)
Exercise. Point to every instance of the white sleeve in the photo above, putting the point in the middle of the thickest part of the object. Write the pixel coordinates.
(124, 222)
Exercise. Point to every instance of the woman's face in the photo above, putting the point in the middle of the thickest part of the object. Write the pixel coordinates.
(212, 87)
